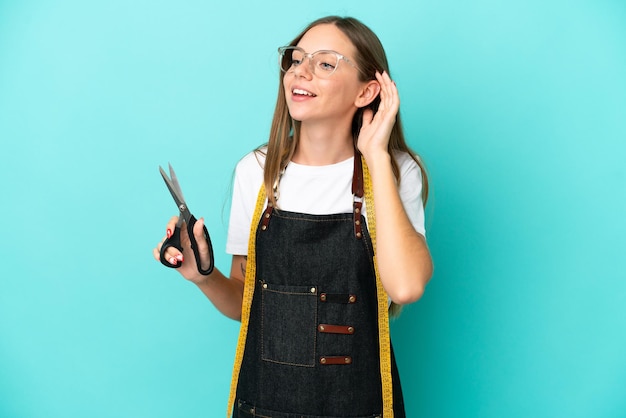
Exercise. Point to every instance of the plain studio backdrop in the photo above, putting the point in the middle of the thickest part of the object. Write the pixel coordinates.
(517, 107)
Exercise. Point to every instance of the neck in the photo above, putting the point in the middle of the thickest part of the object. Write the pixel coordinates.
(323, 145)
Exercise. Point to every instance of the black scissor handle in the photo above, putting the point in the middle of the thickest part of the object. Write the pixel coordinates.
(174, 241)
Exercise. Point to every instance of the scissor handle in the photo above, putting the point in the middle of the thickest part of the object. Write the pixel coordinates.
(174, 241)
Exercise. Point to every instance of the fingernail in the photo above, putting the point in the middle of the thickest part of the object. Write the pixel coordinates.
(168, 233)
(179, 257)
(173, 261)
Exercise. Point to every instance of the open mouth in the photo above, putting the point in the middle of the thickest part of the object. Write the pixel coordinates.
(300, 92)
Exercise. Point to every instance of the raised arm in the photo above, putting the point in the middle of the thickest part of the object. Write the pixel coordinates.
(404, 261)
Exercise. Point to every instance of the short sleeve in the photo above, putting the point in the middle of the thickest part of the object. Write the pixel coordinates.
(411, 190)
(246, 186)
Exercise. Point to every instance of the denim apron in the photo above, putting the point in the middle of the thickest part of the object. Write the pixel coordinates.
(312, 346)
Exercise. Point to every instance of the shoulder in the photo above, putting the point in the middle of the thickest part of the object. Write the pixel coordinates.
(411, 189)
(249, 170)
(409, 169)
(248, 176)
(252, 162)
(248, 180)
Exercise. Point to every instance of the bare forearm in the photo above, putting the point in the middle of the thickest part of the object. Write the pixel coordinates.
(402, 254)
(224, 293)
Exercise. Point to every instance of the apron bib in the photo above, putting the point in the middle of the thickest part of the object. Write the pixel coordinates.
(312, 346)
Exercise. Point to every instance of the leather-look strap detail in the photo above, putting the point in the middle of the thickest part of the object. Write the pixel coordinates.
(337, 298)
(357, 192)
(358, 231)
(335, 329)
(357, 177)
(335, 360)
(267, 214)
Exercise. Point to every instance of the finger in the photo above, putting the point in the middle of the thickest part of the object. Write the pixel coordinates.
(384, 78)
(203, 247)
(156, 252)
(198, 232)
(171, 254)
(173, 257)
(385, 92)
(389, 93)
(388, 86)
(169, 229)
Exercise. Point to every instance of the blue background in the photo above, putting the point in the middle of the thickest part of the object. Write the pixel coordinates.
(518, 109)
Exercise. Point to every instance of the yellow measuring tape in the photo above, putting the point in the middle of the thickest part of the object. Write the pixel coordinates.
(383, 315)
(248, 291)
(384, 341)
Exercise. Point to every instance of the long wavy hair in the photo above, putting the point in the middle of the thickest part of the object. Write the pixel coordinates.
(285, 131)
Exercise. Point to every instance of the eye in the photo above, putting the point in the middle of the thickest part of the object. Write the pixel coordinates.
(296, 58)
(326, 66)
(326, 61)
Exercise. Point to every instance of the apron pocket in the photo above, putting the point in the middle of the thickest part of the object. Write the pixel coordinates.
(289, 321)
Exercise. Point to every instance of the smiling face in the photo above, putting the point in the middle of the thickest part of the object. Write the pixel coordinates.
(314, 99)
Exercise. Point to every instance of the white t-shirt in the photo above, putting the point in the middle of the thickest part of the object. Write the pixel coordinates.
(316, 190)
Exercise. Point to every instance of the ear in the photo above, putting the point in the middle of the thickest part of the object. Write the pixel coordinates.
(367, 94)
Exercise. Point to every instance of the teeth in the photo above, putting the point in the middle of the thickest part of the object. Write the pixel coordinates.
(303, 92)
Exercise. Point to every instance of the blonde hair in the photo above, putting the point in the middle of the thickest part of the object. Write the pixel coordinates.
(285, 131)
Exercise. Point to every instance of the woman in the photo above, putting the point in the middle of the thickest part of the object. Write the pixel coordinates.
(304, 282)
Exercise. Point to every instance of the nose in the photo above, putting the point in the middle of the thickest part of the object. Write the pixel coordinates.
(304, 69)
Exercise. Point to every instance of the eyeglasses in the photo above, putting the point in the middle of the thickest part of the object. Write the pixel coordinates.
(321, 63)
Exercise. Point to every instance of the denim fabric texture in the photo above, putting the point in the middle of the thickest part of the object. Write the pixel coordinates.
(248, 410)
(299, 257)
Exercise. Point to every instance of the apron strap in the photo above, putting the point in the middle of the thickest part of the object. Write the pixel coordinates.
(357, 193)
(361, 183)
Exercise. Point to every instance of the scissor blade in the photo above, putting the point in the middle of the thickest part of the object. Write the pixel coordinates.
(175, 182)
(174, 191)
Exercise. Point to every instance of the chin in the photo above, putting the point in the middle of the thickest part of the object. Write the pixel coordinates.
(297, 116)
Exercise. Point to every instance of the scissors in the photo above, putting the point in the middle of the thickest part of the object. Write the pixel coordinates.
(185, 218)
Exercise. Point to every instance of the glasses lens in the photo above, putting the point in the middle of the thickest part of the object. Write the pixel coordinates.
(325, 63)
(287, 58)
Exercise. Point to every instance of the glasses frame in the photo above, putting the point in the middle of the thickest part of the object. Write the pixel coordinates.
(283, 49)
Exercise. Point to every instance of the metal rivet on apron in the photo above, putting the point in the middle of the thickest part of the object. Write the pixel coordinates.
(264, 285)
(313, 290)
(321, 327)
(348, 360)
(267, 215)
(358, 235)
(357, 222)
(323, 297)
(352, 299)
(323, 360)
(351, 330)
(357, 210)
(263, 227)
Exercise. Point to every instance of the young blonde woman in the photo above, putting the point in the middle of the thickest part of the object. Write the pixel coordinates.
(326, 233)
